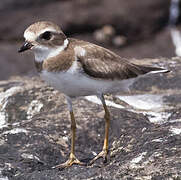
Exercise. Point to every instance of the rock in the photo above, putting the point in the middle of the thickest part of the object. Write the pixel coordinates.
(12, 4)
(134, 20)
(119, 41)
(105, 34)
(35, 126)
(13, 63)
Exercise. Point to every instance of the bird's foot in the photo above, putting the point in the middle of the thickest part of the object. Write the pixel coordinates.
(102, 154)
(72, 160)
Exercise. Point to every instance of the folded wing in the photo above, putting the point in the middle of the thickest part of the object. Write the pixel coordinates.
(104, 64)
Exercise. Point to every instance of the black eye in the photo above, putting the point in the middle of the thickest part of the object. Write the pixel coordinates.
(46, 35)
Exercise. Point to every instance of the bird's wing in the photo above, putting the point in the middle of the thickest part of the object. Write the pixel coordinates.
(101, 63)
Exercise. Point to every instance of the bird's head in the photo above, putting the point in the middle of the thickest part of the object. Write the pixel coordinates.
(44, 38)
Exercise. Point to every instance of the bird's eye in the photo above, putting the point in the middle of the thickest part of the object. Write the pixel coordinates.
(46, 35)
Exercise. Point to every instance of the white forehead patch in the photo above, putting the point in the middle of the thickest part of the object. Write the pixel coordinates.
(29, 36)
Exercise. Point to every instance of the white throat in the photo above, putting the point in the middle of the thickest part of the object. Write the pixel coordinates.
(43, 52)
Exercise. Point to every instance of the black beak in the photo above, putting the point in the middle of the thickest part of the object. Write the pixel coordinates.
(26, 46)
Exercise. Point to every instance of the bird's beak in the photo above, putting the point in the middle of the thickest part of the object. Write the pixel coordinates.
(26, 46)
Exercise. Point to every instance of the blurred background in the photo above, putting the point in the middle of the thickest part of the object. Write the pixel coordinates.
(131, 28)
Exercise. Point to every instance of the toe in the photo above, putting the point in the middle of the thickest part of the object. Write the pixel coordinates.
(102, 154)
(69, 163)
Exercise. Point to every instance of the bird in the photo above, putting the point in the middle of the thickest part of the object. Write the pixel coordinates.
(80, 68)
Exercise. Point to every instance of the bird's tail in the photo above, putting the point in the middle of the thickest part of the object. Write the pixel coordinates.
(152, 70)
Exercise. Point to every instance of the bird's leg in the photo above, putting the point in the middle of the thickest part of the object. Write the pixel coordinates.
(72, 159)
(104, 152)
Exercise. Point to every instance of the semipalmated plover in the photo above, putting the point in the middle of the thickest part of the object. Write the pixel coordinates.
(79, 68)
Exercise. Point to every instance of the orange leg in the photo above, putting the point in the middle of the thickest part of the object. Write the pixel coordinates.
(72, 159)
(104, 152)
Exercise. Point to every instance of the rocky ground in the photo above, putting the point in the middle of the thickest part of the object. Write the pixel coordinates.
(145, 135)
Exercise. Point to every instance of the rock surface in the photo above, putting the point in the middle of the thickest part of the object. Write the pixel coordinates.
(79, 16)
(145, 135)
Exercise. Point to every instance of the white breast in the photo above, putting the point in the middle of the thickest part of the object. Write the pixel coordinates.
(75, 83)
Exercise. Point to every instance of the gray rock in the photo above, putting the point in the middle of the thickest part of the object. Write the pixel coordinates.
(13, 4)
(35, 125)
(134, 20)
(13, 63)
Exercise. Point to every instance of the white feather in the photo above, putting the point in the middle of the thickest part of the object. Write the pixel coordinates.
(29, 36)
(74, 83)
(159, 71)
